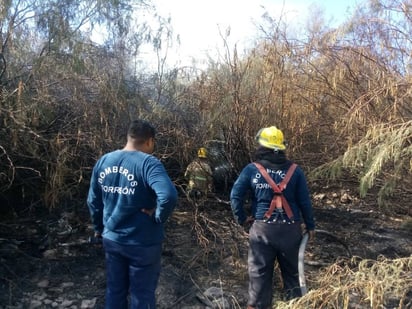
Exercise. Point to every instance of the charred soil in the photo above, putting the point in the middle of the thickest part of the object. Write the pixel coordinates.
(46, 260)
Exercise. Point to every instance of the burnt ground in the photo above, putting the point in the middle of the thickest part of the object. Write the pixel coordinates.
(47, 262)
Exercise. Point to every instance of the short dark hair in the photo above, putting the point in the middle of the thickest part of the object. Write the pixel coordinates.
(141, 130)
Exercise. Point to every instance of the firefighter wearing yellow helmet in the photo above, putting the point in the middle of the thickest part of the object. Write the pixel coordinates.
(271, 138)
(201, 153)
(199, 175)
(281, 203)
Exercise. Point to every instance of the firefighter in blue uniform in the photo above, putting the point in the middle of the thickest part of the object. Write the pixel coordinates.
(275, 234)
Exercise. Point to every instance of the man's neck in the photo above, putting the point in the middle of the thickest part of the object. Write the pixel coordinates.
(131, 147)
(146, 147)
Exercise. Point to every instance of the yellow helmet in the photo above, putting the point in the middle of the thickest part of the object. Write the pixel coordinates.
(202, 153)
(271, 138)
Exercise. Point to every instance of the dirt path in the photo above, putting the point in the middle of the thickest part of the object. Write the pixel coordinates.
(47, 262)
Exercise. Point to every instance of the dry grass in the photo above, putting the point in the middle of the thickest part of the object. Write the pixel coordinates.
(330, 92)
(381, 157)
(383, 283)
(217, 243)
(382, 145)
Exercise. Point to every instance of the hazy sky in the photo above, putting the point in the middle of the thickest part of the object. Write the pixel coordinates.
(198, 21)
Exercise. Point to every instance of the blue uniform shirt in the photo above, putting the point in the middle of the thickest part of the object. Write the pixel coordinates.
(296, 193)
(122, 184)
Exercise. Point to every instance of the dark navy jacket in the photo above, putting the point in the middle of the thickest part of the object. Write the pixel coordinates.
(250, 180)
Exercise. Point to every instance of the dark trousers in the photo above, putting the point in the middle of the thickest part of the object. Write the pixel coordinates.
(134, 271)
(269, 242)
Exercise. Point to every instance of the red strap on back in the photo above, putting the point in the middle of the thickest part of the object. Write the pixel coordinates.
(278, 200)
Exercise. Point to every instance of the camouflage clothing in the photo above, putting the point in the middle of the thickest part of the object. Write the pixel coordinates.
(199, 175)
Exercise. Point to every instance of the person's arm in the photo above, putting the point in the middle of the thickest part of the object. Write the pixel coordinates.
(95, 204)
(305, 204)
(237, 196)
(209, 178)
(165, 191)
(189, 170)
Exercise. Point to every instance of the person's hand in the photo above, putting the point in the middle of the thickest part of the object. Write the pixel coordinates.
(249, 220)
(149, 211)
(96, 238)
(311, 235)
(248, 223)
